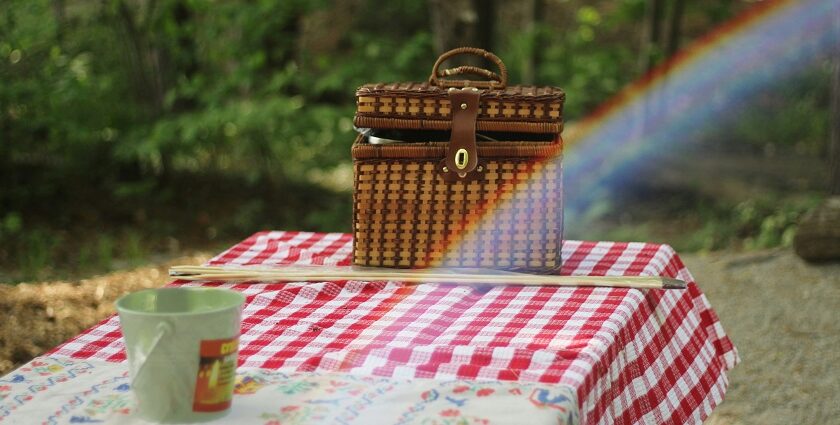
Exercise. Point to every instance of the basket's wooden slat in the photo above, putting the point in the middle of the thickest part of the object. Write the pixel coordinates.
(426, 90)
(510, 150)
(364, 121)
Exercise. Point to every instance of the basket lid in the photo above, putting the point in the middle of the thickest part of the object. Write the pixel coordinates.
(423, 106)
(427, 105)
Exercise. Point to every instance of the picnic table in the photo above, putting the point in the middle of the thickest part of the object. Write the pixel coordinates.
(386, 352)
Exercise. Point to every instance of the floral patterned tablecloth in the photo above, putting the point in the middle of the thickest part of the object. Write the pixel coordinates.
(53, 390)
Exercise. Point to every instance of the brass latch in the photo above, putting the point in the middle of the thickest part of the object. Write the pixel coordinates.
(461, 158)
(462, 154)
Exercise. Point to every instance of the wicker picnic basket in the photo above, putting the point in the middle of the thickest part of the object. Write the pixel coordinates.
(458, 173)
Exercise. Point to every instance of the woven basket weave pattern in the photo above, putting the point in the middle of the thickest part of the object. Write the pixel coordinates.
(421, 106)
(405, 215)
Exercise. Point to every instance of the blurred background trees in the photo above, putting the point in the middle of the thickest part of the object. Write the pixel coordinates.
(131, 127)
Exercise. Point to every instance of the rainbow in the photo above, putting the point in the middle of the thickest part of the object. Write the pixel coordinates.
(690, 93)
(695, 90)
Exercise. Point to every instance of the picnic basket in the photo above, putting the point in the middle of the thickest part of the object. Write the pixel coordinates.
(458, 173)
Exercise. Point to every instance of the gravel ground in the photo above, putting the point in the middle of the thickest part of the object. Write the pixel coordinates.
(784, 317)
(782, 314)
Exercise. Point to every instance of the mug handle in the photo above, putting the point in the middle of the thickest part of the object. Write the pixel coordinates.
(164, 329)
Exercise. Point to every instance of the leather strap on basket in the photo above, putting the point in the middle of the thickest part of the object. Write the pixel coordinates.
(496, 81)
(461, 153)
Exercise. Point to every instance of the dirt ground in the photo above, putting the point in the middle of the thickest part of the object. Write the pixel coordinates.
(39, 316)
(781, 313)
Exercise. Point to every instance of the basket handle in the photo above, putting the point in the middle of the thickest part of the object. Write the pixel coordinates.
(496, 81)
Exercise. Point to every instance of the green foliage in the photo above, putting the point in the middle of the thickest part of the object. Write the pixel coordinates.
(796, 111)
(38, 247)
(577, 58)
(791, 116)
(752, 224)
(11, 225)
(123, 92)
(764, 221)
(770, 223)
(271, 138)
(104, 252)
(112, 104)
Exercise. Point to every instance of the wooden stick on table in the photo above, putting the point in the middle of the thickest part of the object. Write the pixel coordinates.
(327, 273)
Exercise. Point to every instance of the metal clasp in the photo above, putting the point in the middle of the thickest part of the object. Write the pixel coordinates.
(462, 157)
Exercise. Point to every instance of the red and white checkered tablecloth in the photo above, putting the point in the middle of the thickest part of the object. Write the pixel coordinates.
(646, 356)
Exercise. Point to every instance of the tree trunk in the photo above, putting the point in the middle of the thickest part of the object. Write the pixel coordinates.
(486, 24)
(657, 12)
(675, 28)
(453, 24)
(281, 46)
(143, 58)
(834, 122)
(186, 57)
(650, 51)
(652, 35)
(59, 12)
(533, 25)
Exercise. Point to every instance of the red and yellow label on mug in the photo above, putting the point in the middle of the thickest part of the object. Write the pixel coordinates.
(216, 375)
